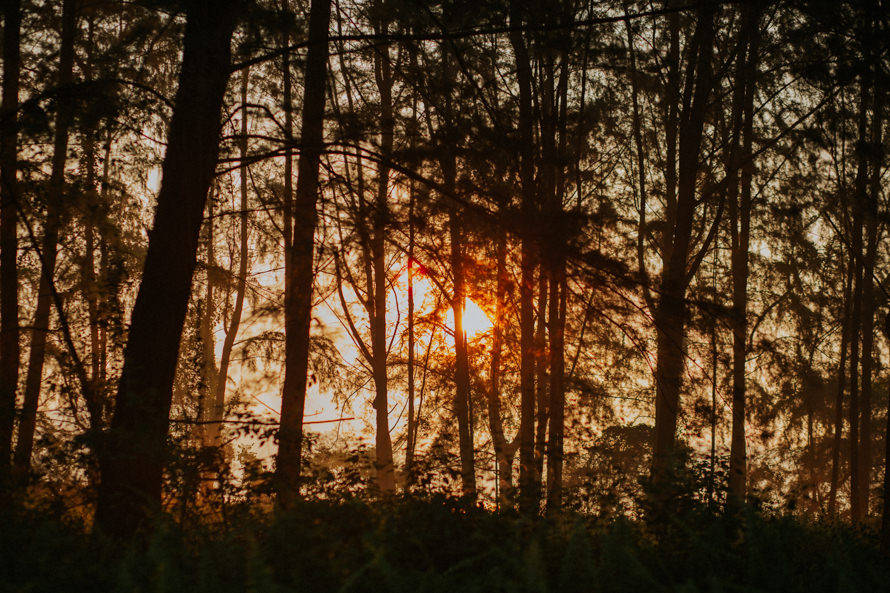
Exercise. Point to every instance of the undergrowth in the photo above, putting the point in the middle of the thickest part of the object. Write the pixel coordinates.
(443, 545)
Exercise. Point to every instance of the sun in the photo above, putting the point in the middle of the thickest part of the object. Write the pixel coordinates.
(476, 322)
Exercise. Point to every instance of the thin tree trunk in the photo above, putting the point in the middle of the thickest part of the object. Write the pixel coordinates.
(461, 359)
(411, 429)
(503, 451)
(218, 403)
(288, 108)
(740, 225)
(859, 205)
(49, 247)
(298, 297)
(9, 285)
(208, 341)
(670, 315)
(528, 494)
(839, 400)
(383, 442)
(555, 449)
(672, 127)
(133, 454)
(641, 165)
(558, 296)
(868, 299)
(542, 388)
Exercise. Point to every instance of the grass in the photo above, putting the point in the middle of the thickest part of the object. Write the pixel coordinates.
(443, 545)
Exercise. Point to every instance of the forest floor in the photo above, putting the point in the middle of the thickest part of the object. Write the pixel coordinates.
(442, 545)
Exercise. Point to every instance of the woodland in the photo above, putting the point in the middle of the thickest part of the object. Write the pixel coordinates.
(447, 295)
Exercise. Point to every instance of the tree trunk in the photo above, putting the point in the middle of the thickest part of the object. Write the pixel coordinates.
(670, 315)
(868, 299)
(542, 388)
(209, 372)
(300, 253)
(740, 226)
(383, 442)
(9, 284)
(555, 448)
(839, 399)
(556, 143)
(461, 359)
(503, 451)
(411, 429)
(133, 455)
(54, 211)
(218, 402)
(858, 205)
(528, 493)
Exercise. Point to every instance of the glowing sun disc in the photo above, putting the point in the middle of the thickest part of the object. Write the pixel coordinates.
(475, 320)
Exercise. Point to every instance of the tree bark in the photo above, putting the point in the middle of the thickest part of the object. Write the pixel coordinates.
(298, 297)
(528, 493)
(555, 448)
(411, 429)
(858, 205)
(9, 285)
(383, 440)
(839, 399)
(542, 360)
(671, 314)
(557, 98)
(133, 454)
(209, 372)
(504, 451)
(868, 296)
(740, 231)
(218, 402)
(49, 247)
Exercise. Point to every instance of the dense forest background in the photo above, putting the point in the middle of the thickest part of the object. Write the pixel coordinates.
(602, 257)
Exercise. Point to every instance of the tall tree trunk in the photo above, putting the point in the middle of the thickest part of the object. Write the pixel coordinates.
(9, 284)
(133, 454)
(640, 163)
(672, 128)
(218, 402)
(542, 388)
(209, 372)
(504, 451)
(740, 227)
(528, 493)
(670, 315)
(411, 428)
(298, 297)
(54, 210)
(555, 448)
(858, 205)
(461, 358)
(557, 140)
(868, 297)
(288, 108)
(839, 399)
(383, 440)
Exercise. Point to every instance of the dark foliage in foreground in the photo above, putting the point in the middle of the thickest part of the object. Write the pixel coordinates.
(443, 545)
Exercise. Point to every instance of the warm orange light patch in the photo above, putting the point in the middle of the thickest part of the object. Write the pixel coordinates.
(476, 321)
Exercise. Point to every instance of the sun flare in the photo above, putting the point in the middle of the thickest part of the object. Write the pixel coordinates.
(476, 321)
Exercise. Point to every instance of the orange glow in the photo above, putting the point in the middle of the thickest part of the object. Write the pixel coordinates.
(476, 321)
